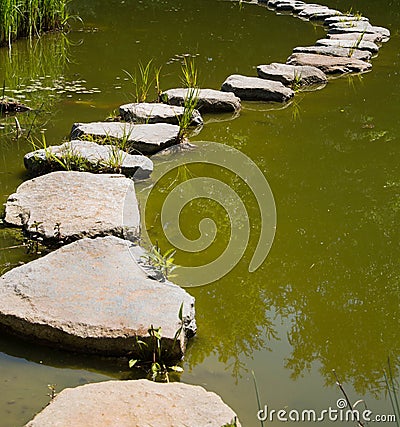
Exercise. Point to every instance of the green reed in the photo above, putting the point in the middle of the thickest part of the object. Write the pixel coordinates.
(29, 18)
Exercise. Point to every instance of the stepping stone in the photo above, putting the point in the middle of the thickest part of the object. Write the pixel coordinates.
(71, 205)
(139, 403)
(256, 89)
(349, 44)
(302, 6)
(358, 27)
(92, 296)
(330, 64)
(318, 12)
(209, 100)
(288, 6)
(374, 38)
(146, 112)
(292, 74)
(87, 156)
(146, 139)
(364, 55)
(345, 18)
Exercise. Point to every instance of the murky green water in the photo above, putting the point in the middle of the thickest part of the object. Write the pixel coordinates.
(327, 296)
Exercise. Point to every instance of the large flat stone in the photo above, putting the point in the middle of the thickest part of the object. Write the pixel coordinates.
(354, 37)
(287, 6)
(87, 156)
(292, 74)
(145, 138)
(256, 89)
(139, 403)
(318, 13)
(330, 64)
(358, 27)
(364, 55)
(82, 203)
(92, 296)
(146, 112)
(345, 18)
(209, 100)
(349, 44)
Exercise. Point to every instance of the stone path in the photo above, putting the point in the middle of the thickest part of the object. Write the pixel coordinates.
(93, 295)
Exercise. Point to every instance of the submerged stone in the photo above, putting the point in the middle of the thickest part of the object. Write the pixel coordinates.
(335, 51)
(209, 100)
(135, 403)
(10, 106)
(292, 74)
(146, 112)
(330, 64)
(92, 296)
(144, 138)
(66, 206)
(256, 89)
(87, 156)
(349, 44)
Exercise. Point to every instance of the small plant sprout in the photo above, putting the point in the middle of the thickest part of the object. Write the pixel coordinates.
(356, 44)
(162, 262)
(153, 358)
(296, 83)
(142, 81)
(52, 391)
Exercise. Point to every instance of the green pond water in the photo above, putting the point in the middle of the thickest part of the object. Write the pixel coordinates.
(327, 295)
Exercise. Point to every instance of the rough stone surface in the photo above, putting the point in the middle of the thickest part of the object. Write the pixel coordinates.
(97, 158)
(358, 27)
(330, 64)
(288, 5)
(209, 100)
(364, 55)
(349, 44)
(139, 403)
(82, 203)
(374, 38)
(302, 6)
(345, 18)
(256, 89)
(92, 296)
(146, 112)
(147, 138)
(290, 74)
(318, 13)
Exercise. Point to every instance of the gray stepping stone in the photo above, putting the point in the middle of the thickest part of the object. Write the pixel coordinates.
(374, 38)
(87, 156)
(146, 112)
(256, 89)
(318, 13)
(364, 55)
(302, 6)
(209, 100)
(330, 64)
(92, 296)
(146, 139)
(292, 74)
(139, 403)
(81, 203)
(349, 44)
(358, 27)
(345, 18)
(288, 6)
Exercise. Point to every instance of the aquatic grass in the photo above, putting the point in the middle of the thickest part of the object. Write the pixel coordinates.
(189, 77)
(29, 18)
(356, 44)
(142, 81)
(185, 121)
